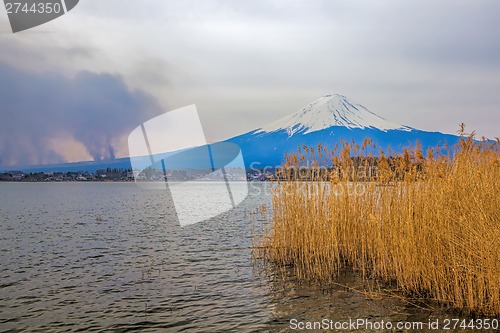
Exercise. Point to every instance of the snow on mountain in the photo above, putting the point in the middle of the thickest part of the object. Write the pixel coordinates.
(331, 110)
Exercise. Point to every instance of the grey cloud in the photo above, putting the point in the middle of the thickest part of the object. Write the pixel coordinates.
(93, 108)
(422, 63)
(78, 52)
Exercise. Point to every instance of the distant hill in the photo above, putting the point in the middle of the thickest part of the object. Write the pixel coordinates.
(89, 166)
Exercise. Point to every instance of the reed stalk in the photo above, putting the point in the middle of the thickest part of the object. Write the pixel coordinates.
(430, 223)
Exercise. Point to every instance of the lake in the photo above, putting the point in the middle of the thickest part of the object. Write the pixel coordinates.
(111, 257)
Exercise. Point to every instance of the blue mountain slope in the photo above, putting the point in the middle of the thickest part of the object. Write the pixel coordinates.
(268, 149)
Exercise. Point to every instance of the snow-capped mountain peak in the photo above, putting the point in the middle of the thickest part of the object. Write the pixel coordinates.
(331, 110)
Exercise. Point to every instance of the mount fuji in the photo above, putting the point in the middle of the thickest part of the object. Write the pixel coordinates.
(328, 120)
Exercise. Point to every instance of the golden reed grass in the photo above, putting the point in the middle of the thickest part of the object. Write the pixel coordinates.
(430, 224)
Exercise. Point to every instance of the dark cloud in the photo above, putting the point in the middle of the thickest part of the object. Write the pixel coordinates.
(94, 109)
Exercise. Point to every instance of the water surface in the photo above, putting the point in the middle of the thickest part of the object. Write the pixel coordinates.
(111, 257)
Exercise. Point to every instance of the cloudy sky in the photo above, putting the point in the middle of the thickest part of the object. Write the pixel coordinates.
(74, 88)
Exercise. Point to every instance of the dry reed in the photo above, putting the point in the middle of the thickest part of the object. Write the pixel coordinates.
(430, 224)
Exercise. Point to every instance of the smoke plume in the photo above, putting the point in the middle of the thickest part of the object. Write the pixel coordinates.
(93, 109)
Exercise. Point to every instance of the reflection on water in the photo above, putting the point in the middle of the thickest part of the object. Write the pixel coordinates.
(110, 256)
